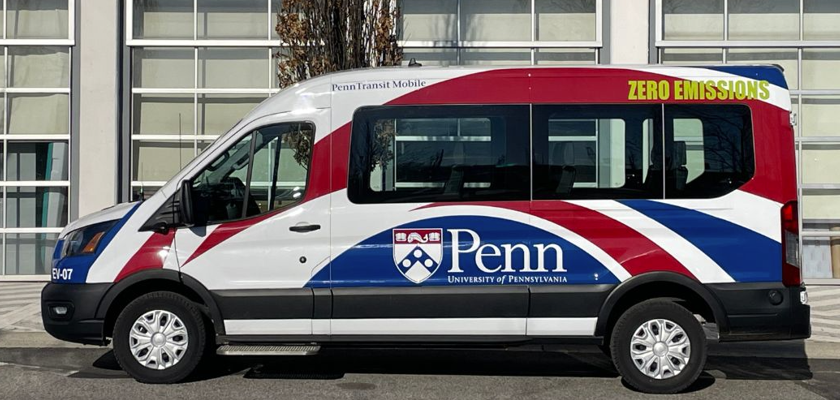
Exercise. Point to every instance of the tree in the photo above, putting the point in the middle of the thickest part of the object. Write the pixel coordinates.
(322, 36)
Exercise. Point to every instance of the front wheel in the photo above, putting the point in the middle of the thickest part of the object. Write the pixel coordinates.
(159, 338)
(658, 346)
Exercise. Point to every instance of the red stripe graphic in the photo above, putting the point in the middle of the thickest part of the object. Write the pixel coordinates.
(319, 185)
(634, 251)
(541, 86)
(150, 255)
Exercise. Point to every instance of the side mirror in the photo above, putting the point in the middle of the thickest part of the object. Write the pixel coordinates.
(161, 228)
(185, 204)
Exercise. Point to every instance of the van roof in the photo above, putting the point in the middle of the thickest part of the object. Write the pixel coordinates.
(753, 71)
(321, 85)
(766, 68)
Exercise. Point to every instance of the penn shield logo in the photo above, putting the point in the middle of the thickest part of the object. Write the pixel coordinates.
(417, 252)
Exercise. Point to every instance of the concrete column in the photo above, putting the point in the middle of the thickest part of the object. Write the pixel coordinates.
(96, 131)
(835, 254)
(629, 31)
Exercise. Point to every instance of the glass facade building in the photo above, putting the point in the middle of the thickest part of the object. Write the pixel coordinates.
(802, 36)
(37, 46)
(191, 68)
(199, 66)
(196, 68)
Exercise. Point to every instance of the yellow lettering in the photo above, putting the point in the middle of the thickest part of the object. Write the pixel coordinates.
(691, 90)
(764, 90)
(651, 89)
(722, 88)
(711, 94)
(678, 90)
(752, 90)
(664, 90)
(632, 95)
(740, 90)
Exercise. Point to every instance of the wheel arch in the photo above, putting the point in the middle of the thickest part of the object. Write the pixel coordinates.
(659, 284)
(140, 283)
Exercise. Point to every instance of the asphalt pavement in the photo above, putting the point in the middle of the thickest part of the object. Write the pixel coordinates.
(580, 372)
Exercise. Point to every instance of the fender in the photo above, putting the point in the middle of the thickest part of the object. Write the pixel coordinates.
(213, 308)
(660, 277)
(167, 275)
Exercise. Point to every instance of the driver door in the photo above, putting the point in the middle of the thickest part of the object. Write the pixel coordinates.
(256, 243)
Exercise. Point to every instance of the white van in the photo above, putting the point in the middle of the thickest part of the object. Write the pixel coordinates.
(620, 206)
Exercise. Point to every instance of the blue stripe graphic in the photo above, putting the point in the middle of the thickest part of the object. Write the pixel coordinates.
(760, 73)
(80, 264)
(372, 262)
(745, 255)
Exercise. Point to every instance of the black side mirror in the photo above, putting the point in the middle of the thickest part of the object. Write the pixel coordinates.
(161, 228)
(185, 204)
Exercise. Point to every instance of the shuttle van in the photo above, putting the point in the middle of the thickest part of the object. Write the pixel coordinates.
(648, 210)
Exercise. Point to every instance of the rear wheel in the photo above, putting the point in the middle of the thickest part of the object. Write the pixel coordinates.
(159, 338)
(658, 347)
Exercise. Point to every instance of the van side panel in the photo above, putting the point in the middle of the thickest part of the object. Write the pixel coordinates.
(703, 239)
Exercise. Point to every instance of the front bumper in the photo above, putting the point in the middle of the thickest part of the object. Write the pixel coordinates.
(79, 324)
(763, 311)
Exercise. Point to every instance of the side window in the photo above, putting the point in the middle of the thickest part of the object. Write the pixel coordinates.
(710, 147)
(403, 154)
(597, 151)
(264, 171)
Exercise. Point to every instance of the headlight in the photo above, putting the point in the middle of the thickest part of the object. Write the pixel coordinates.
(86, 240)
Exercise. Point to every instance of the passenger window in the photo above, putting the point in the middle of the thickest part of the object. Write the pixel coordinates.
(405, 154)
(710, 148)
(688, 135)
(597, 151)
(264, 171)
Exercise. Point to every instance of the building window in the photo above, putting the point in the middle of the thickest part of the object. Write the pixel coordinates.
(197, 67)
(35, 70)
(802, 37)
(536, 32)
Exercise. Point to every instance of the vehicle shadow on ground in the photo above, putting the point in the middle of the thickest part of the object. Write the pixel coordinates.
(334, 364)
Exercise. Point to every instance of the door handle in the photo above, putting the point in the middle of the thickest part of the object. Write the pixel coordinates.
(303, 228)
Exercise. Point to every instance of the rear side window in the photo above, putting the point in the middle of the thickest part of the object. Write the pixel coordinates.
(710, 147)
(597, 151)
(402, 154)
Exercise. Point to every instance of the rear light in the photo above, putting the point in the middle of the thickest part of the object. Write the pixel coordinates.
(791, 270)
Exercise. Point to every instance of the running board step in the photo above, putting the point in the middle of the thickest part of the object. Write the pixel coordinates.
(242, 350)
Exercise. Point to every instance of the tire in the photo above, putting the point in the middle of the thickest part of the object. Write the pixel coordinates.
(663, 316)
(183, 316)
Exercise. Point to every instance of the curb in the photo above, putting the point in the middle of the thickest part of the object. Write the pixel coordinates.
(38, 340)
(802, 349)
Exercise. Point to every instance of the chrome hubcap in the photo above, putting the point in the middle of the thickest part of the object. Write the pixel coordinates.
(660, 349)
(158, 339)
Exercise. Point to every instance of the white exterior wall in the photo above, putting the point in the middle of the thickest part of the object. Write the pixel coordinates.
(629, 30)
